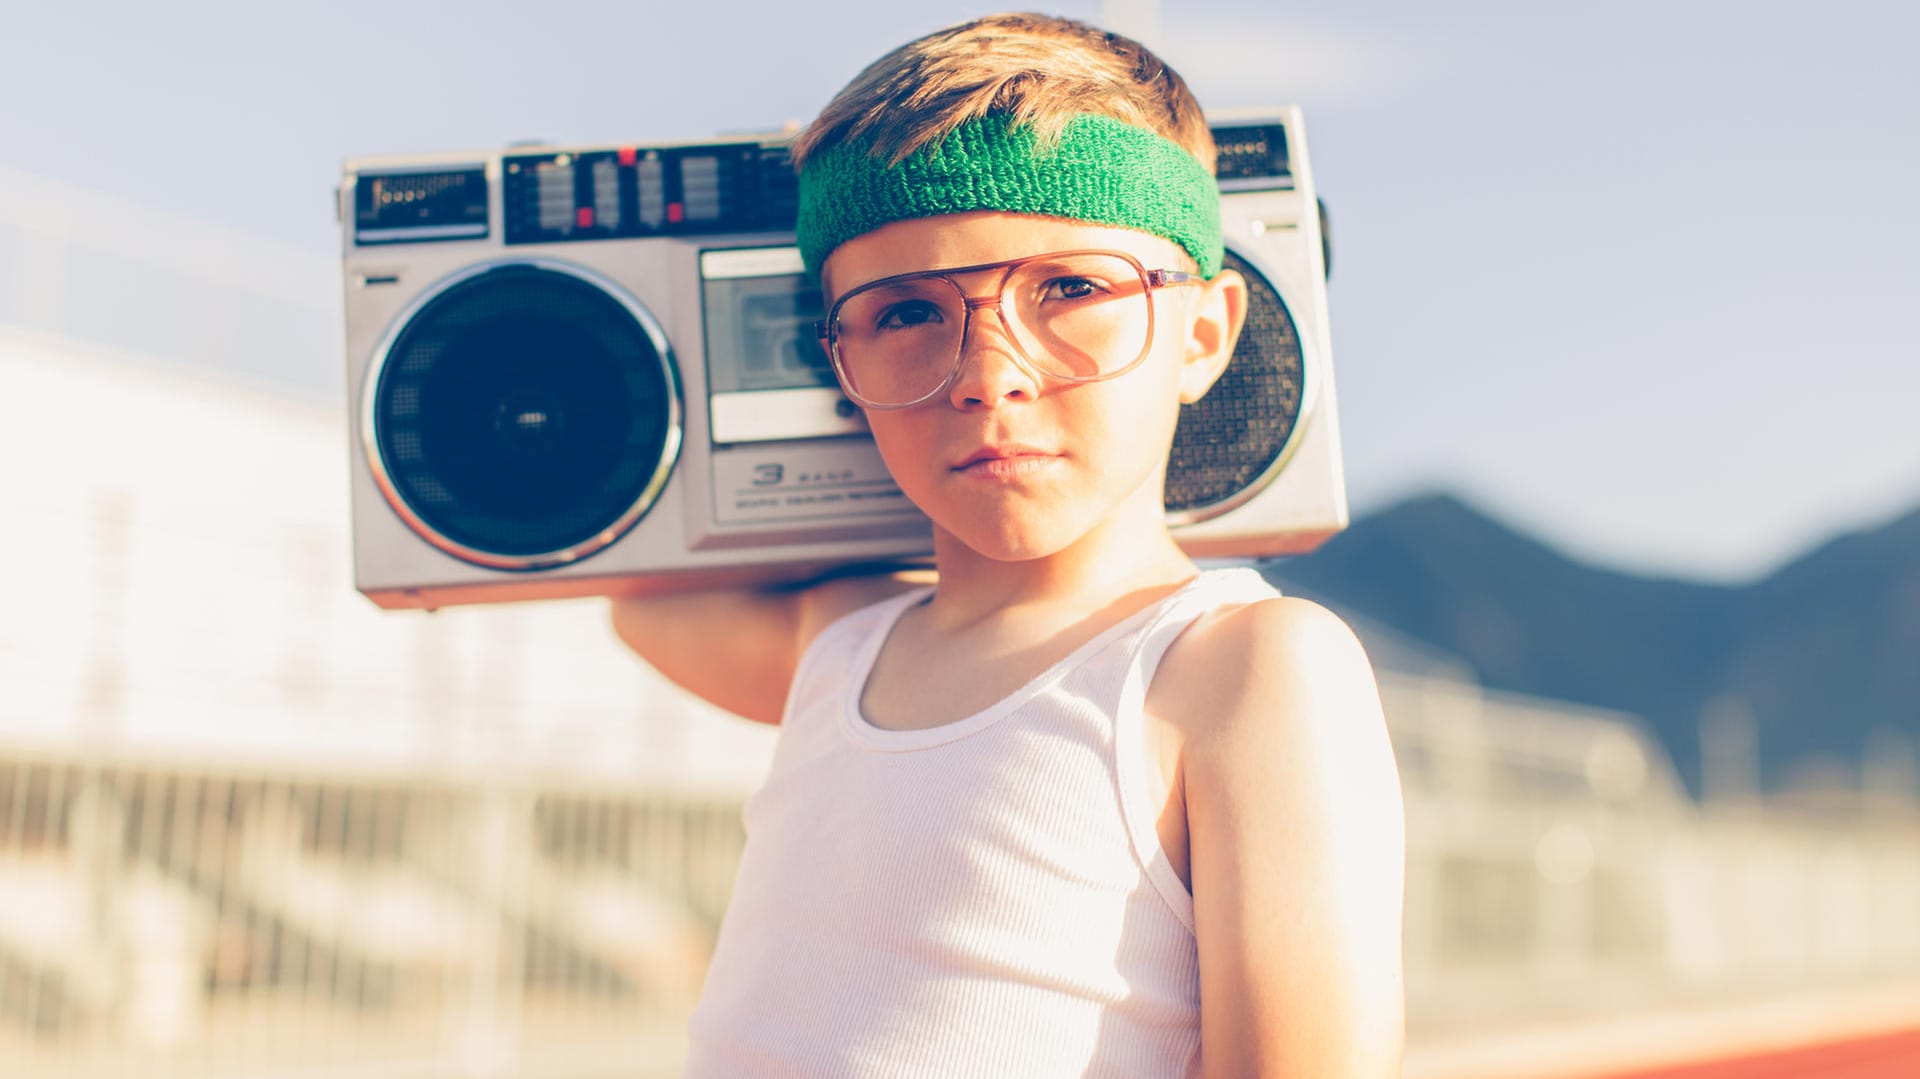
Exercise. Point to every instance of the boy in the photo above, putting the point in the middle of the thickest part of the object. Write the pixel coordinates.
(1077, 808)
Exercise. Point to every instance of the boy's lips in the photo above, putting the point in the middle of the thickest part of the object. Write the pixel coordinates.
(1010, 451)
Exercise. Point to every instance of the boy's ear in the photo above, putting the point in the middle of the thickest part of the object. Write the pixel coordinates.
(1216, 317)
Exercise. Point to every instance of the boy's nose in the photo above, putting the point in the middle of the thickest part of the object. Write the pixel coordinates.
(991, 368)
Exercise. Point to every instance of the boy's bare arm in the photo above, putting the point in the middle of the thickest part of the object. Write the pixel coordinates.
(1298, 850)
(738, 648)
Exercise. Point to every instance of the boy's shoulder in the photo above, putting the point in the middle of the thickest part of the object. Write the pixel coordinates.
(1255, 669)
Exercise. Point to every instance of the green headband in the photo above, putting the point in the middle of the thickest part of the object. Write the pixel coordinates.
(1103, 171)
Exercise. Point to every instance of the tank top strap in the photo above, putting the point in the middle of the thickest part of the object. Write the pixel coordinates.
(847, 644)
(1210, 591)
(1142, 792)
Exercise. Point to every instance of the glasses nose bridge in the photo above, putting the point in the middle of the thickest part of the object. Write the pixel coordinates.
(969, 343)
(993, 302)
(996, 284)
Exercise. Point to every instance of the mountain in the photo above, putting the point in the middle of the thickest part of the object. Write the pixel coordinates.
(1821, 652)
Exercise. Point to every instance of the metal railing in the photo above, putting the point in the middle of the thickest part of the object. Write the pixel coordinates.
(169, 918)
(1556, 869)
(185, 918)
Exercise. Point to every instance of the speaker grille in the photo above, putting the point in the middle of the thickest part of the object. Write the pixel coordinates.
(1229, 439)
(524, 412)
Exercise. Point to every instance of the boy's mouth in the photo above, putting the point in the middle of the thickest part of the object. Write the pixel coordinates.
(1005, 462)
(1009, 452)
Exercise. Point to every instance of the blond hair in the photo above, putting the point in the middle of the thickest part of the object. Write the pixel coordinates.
(1039, 70)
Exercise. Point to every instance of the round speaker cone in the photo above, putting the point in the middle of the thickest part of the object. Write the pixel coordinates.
(524, 412)
(1233, 437)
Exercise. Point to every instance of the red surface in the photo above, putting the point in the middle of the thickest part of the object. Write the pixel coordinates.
(1882, 1056)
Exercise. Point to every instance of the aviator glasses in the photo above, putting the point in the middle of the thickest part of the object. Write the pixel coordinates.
(1076, 316)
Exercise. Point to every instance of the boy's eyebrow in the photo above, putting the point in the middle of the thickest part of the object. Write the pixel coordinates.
(1051, 262)
(896, 280)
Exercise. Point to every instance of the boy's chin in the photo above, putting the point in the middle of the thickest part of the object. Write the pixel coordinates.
(997, 545)
(1057, 529)
(993, 541)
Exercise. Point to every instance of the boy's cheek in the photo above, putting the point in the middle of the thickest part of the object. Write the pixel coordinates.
(897, 449)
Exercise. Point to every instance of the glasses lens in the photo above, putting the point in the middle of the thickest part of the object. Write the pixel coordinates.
(1080, 316)
(897, 342)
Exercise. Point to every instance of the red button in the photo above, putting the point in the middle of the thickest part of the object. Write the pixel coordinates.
(584, 217)
(676, 212)
(626, 155)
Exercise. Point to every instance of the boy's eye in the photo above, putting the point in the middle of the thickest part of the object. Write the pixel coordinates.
(907, 315)
(1070, 288)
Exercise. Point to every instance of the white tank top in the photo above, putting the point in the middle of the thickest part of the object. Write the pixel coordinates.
(983, 898)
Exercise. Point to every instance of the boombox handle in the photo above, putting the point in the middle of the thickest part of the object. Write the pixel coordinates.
(1326, 239)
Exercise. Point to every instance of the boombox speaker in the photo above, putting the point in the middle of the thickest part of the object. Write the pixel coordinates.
(591, 370)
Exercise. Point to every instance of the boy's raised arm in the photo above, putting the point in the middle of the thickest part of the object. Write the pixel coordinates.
(736, 649)
(739, 648)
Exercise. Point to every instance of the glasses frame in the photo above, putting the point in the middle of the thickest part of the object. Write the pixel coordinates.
(828, 329)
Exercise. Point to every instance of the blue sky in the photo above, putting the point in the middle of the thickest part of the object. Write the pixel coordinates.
(1637, 276)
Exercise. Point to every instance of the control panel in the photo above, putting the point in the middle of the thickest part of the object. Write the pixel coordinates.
(639, 191)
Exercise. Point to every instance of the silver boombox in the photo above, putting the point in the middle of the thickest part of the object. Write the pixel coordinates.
(591, 370)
